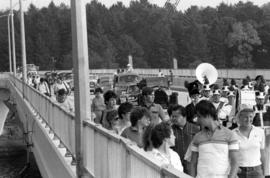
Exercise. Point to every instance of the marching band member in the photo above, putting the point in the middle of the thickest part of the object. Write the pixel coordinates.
(245, 86)
(259, 80)
(224, 91)
(262, 119)
(194, 94)
(233, 84)
(222, 108)
(206, 91)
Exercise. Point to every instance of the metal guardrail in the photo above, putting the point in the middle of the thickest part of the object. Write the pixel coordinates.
(106, 154)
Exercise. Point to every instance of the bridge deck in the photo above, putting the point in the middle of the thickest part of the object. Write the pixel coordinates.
(52, 132)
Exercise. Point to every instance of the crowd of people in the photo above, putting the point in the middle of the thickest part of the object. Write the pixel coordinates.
(215, 136)
(58, 90)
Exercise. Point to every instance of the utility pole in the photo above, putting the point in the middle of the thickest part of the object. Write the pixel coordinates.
(13, 39)
(9, 45)
(23, 43)
(81, 78)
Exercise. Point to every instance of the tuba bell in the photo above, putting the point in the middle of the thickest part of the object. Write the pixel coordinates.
(206, 70)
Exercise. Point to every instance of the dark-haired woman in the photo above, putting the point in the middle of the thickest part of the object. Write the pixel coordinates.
(162, 139)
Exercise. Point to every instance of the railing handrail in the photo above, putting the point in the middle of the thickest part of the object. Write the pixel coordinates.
(135, 154)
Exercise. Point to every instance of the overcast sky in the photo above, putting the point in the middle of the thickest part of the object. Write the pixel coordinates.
(183, 5)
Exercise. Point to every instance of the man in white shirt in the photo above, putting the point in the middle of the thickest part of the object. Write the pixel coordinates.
(214, 148)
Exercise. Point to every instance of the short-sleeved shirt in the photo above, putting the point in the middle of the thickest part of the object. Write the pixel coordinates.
(250, 148)
(171, 159)
(133, 134)
(157, 113)
(213, 160)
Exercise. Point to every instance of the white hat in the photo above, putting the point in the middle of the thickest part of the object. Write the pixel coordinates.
(260, 95)
(206, 87)
(231, 93)
(216, 92)
(129, 65)
(225, 88)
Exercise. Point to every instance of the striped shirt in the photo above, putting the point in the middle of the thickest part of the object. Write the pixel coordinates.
(213, 160)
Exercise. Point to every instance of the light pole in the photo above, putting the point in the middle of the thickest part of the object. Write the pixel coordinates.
(23, 43)
(81, 79)
(13, 39)
(9, 46)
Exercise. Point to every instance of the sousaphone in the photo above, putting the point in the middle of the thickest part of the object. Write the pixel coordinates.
(206, 70)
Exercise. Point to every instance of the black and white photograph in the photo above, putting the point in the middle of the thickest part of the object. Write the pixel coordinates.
(134, 89)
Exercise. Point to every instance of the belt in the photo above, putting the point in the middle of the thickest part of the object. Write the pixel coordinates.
(250, 168)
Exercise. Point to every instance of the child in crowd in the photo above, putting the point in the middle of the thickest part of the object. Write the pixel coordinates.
(98, 105)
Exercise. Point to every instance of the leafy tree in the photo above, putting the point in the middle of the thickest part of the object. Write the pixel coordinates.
(241, 40)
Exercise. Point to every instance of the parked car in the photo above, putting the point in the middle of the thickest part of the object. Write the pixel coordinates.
(126, 87)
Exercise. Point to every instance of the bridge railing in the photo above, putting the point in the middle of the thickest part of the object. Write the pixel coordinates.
(106, 154)
(61, 122)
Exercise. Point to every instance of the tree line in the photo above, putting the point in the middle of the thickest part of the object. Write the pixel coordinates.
(228, 36)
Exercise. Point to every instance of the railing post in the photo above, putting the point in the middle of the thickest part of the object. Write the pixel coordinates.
(81, 77)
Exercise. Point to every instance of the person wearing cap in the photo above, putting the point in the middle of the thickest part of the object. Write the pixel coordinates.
(233, 84)
(156, 110)
(262, 119)
(214, 148)
(194, 94)
(206, 90)
(261, 109)
(224, 91)
(223, 110)
(251, 145)
(231, 95)
(261, 81)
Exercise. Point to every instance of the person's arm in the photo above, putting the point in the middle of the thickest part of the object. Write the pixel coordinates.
(263, 160)
(161, 113)
(233, 156)
(262, 151)
(193, 163)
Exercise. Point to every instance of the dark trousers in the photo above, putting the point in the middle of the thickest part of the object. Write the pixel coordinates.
(251, 172)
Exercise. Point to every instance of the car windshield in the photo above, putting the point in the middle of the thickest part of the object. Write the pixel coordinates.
(128, 78)
(133, 89)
